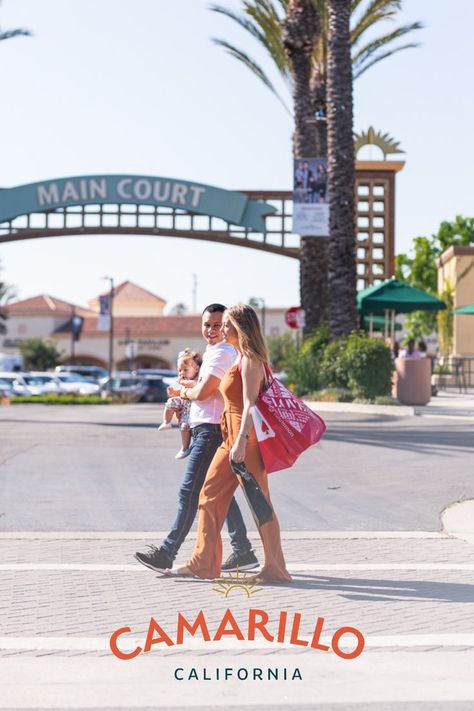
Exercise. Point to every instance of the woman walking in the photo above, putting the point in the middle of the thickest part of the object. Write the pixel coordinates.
(240, 388)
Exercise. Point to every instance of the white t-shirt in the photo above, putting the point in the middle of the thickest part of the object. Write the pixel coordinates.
(216, 361)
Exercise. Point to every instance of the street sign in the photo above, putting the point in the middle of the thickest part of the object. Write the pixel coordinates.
(295, 317)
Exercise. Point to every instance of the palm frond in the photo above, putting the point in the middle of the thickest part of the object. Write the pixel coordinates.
(376, 11)
(365, 53)
(242, 21)
(264, 24)
(9, 34)
(379, 57)
(252, 65)
(265, 15)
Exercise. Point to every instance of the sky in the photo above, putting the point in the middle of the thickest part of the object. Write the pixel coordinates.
(137, 87)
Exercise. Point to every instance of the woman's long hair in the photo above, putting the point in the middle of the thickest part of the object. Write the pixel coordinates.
(251, 340)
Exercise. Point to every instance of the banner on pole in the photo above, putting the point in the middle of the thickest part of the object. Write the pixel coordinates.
(103, 322)
(310, 197)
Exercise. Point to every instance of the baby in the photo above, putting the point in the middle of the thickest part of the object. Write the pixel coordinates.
(189, 363)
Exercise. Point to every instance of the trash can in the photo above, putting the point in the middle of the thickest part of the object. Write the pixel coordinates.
(412, 381)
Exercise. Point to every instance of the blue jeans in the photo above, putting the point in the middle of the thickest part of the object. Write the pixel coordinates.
(206, 439)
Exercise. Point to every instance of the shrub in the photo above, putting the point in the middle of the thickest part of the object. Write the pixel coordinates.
(355, 366)
(303, 366)
(281, 349)
(52, 399)
(331, 395)
(367, 364)
(333, 373)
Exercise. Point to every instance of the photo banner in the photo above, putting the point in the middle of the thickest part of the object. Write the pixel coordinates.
(310, 197)
(103, 321)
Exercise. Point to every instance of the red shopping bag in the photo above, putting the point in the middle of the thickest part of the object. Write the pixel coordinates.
(284, 424)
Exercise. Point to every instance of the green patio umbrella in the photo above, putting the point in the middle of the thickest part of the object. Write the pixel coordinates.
(378, 323)
(464, 310)
(394, 295)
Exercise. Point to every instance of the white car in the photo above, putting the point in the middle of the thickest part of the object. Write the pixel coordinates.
(75, 384)
(38, 383)
(12, 383)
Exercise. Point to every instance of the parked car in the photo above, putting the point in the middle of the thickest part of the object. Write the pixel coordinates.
(156, 389)
(39, 383)
(135, 388)
(6, 387)
(75, 384)
(93, 372)
(14, 382)
(168, 376)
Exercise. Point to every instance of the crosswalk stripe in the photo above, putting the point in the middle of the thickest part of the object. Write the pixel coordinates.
(293, 568)
(157, 535)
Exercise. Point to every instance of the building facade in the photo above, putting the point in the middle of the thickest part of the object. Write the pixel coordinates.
(143, 337)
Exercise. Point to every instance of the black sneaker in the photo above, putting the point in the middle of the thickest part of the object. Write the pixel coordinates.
(156, 559)
(246, 561)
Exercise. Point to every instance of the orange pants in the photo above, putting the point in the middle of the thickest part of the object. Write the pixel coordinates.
(216, 495)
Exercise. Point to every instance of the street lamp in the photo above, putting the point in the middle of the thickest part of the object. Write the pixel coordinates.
(111, 324)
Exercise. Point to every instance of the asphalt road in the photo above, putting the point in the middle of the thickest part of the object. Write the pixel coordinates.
(106, 468)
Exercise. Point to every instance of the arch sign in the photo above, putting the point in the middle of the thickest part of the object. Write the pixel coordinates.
(234, 207)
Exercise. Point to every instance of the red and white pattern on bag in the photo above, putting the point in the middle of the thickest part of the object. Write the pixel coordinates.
(263, 428)
(286, 406)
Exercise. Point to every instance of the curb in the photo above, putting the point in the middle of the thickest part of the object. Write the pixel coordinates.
(458, 520)
(353, 407)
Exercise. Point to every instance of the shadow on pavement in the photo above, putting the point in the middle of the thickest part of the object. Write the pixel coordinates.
(371, 589)
(432, 441)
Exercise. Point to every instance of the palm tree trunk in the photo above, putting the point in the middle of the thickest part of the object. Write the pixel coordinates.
(300, 32)
(342, 262)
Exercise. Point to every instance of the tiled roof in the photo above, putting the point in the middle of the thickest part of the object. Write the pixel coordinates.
(44, 304)
(131, 291)
(152, 326)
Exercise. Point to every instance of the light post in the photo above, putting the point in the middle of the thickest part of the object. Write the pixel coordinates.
(76, 328)
(73, 338)
(111, 324)
(260, 302)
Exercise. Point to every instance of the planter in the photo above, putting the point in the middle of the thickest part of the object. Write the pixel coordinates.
(412, 381)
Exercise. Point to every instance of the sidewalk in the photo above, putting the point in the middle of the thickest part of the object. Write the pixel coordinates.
(450, 404)
(410, 593)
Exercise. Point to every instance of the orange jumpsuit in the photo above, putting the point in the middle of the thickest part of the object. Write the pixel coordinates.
(219, 487)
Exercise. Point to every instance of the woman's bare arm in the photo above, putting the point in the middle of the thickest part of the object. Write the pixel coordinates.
(252, 375)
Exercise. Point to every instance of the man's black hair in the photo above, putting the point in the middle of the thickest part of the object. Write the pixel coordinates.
(215, 308)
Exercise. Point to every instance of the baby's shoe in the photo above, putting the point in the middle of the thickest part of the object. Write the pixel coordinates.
(164, 426)
(183, 453)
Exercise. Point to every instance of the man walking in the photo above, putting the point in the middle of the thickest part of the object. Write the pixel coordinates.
(206, 409)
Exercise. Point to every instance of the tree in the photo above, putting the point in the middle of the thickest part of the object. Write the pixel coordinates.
(419, 268)
(266, 22)
(179, 309)
(7, 293)
(301, 29)
(341, 159)
(39, 354)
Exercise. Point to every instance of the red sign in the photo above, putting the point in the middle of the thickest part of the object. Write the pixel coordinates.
(295, 317)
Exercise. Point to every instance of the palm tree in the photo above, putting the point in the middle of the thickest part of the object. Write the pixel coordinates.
(273, 24)
(300, 31)
(341, 159)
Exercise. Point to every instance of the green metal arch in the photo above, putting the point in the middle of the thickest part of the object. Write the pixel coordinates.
(234, 207)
